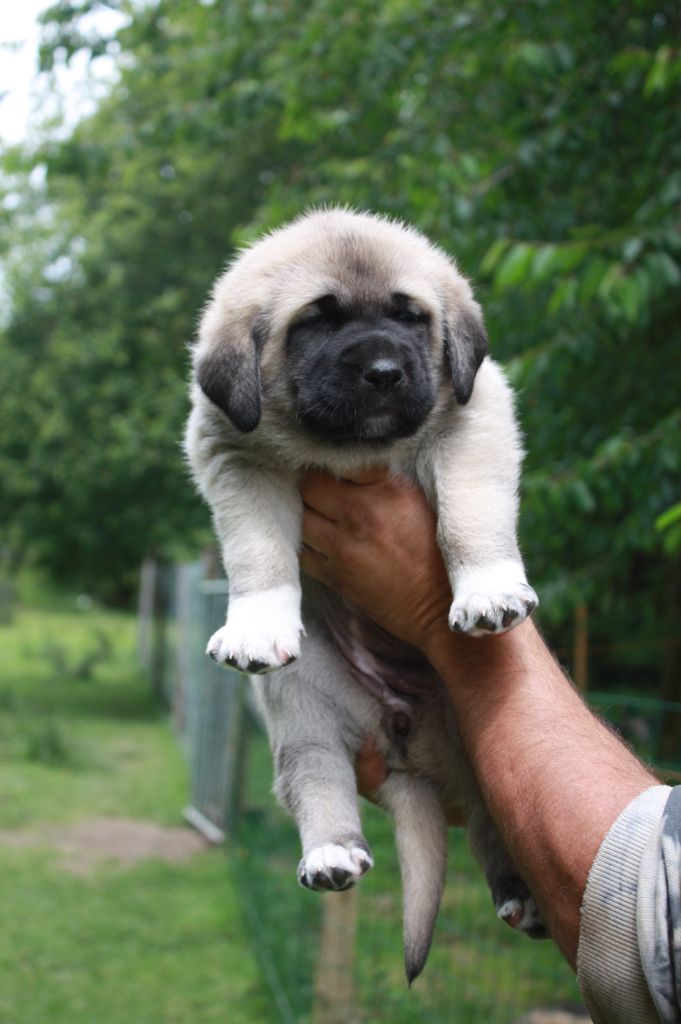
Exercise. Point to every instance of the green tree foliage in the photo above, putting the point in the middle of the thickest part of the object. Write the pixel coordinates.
(538, 142)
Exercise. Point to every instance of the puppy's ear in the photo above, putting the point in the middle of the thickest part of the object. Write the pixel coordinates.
(229, 375)
(465, 341)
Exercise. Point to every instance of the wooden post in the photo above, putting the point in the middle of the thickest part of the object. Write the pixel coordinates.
(580, 659)
(146, 610)
(159, 638)
(335, 981)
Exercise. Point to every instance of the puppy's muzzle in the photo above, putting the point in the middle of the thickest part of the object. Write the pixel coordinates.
(381, 361)
(368, 383)
(384, 375)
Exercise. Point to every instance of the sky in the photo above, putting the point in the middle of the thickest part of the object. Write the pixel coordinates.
(22, 104)
(18, 25)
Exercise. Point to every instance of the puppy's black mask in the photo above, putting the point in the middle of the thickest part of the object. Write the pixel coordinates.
(361, 373)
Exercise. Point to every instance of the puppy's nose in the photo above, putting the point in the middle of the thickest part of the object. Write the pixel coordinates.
(384, 375)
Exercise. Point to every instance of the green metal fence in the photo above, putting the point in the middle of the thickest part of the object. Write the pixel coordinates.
(337, 957)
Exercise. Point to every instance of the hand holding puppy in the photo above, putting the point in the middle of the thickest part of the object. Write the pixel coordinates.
(372, 537)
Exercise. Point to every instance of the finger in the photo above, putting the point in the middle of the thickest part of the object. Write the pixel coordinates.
(319, 533)
(370, 768)
(368, 475)
(316, 565)
(325, 493)
(320, 491)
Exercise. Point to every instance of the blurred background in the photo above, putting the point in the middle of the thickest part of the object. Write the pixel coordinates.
(539, 144)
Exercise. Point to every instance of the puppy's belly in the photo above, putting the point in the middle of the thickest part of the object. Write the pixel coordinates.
(418, 729)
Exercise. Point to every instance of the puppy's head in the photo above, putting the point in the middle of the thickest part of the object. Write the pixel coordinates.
(349, 321)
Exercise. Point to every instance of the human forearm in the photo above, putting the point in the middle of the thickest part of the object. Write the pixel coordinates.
(553, 776)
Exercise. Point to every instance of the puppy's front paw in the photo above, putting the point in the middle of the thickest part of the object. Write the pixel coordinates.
(491, 600)
(334, 866)
(262, 631)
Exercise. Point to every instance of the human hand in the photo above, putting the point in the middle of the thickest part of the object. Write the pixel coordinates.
(371, 772)
(370, 769)
(372, 538)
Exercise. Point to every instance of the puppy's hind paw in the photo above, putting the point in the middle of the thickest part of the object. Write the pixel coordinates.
(334, 866)
(517, 908)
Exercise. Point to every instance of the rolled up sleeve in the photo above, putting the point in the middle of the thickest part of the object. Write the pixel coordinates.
(629, 956)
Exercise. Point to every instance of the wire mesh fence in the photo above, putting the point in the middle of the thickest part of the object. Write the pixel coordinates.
(337, 957)
(336, 963)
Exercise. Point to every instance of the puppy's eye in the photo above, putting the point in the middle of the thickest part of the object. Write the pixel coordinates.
(406, 310)
(310, 319)
(324, 310)
(411, 316)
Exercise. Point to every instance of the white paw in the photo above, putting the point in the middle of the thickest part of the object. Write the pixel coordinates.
(334, 866)
(491, 600)
(523, 915)
(262, 631)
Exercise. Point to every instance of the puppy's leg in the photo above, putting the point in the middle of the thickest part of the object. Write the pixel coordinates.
(475, 471)
(257, 517)
(314, 744)
(257, 514)
(315, 780)
(512, 899)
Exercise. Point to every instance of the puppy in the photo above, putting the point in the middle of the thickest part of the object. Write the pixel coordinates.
(340, 341)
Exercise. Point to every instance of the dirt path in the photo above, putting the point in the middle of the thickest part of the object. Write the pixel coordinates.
(551, 1015)
(84, 845)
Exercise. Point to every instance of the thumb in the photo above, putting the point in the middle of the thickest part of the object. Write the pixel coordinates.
(368, 475)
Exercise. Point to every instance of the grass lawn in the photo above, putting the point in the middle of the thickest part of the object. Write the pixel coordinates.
(81, 738)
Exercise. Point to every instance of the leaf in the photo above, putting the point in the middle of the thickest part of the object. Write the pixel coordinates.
(669, 524)
(594, 270)
(563, 295)
(632, 249)
(669, 518)
(493, 255)
(584, 496)
(663, 268)
(657, 78)
(514, 267)
(532, 54)
(544, 262)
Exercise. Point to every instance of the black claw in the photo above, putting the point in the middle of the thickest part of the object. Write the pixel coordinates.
(255, 667)
(486, 623)
(339, 878)
(530, 606)
(457, 627)
(508, 617)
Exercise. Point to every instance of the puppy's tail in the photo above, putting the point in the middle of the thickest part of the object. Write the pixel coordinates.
(421, 839)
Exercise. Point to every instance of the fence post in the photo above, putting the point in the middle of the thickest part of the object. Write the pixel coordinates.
(335, 980)
(159, 624)
(238, 779)
(146, 610)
